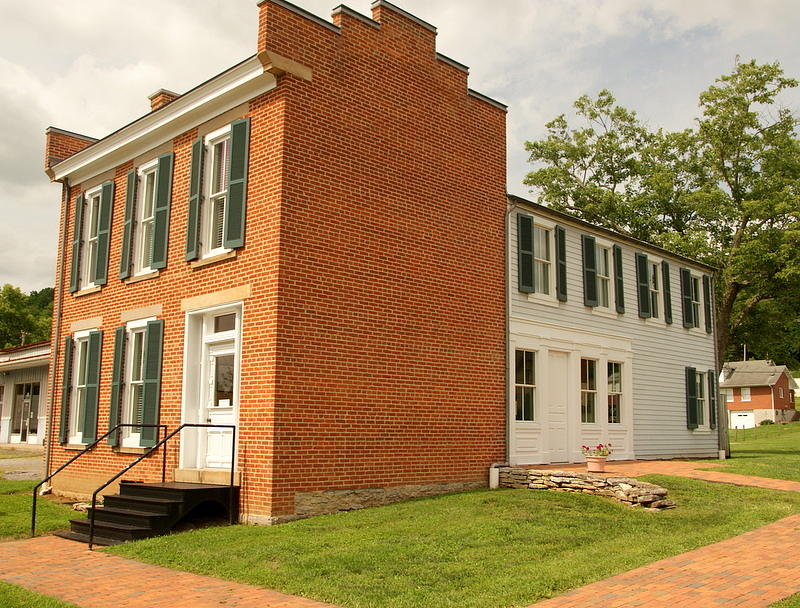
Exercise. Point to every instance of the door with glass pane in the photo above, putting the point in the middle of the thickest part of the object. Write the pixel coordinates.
(25, 413)
(219, 401)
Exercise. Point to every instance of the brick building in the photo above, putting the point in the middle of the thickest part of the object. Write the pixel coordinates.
(758, 390)
(309, 246)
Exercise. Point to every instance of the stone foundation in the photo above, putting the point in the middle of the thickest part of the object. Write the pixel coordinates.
(629, 491)
(308, 504)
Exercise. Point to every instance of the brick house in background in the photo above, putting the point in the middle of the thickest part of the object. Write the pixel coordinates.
(309, 245)
(758, 390)
(317, 246)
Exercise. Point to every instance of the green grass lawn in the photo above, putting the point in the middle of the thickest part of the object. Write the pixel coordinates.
(774, 452)
(19, 454)
(15, 511)
(789, 602)
(12, 596)
(475, 549)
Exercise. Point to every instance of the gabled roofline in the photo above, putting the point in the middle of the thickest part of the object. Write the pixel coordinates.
(228, 89)
(566, 217)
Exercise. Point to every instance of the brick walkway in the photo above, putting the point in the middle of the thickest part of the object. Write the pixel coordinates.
(752, 570)
(67, 570)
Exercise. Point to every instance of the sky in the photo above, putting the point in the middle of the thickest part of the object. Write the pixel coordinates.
(89, 65)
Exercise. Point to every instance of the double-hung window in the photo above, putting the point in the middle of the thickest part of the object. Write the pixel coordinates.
(614, 392)
(217, 191)
(696, 300)
(80, 389)
(147, 202)
(542, 259)
(213, 222)
(655, 288)
(700, 380)
(90, 237)
(603, 258)
(136, 382)
(695, 295)
(588, 390)
(525, 384)
(91, 233)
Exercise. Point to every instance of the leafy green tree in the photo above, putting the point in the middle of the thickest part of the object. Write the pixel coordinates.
(726, 192)
(24, 319)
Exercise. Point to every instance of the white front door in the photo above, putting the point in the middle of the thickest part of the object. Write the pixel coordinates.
(211, 387)
(556, 406)
(219, 403)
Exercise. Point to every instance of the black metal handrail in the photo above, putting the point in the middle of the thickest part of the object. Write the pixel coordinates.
(163, 470)
(88, 448)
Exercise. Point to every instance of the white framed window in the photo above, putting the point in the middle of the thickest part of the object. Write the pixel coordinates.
(525, 385)
(218, 146)
(654, 285)
(780, 392)
(727, 394)
(700, 383)
(80, 376)
(744, 393)
(91, 231)
(133, 398)
(603, 261)
(145, 219)
(542, 259)
(614, 392)
(696, 296)
(588, 390)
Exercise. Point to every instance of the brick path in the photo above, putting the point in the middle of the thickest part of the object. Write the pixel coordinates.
(67, 570)
(752, 570)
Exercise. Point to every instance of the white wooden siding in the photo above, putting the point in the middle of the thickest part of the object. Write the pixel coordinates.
(20, 376)
(660, 352)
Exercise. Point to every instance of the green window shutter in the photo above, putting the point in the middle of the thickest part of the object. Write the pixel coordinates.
(103, 233)
(589, 270)
(561, 264)
(686, 298)
(707, 301)
(619, 282)
(126, 256)
(77, 234)
(151, 399)
(161, 210)
(713, 390)
(665, 281)
(117, 383)
(92, 394)
(525, 253)
(691, 398)
(237, 184)
(643, 286)
(66, 388)
(195, 196)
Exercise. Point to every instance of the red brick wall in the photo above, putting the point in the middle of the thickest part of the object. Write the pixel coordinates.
(59, 145)
(373, 342)
(761, 397)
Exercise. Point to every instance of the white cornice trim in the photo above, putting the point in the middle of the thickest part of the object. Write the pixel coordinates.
(228, 90)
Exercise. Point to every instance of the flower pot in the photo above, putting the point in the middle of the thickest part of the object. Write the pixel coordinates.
(596, 464)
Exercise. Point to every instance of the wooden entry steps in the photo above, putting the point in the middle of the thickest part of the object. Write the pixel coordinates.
(142, 510)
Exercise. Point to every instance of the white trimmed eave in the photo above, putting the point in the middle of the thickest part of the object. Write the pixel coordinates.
(26, 363)
(228, 90)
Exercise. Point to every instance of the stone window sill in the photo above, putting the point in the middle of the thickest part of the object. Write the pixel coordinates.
(130, 450)
(76, 447)
(226, 255)
(142, 277)
(87, 291)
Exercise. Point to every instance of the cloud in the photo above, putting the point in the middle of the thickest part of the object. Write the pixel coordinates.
(88, 66)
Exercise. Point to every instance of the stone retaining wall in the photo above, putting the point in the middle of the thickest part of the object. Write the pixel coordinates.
(624, 489)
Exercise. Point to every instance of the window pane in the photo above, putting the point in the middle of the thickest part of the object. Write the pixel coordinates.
(137, 355)
(614, 409)
(225, 322)
(530, 369)
(528, 409)
(223, 381)
(519, 375)
(587, 407)
(93, 215)
(519, 403)
(542, 244)
(148, 196)
(542, 275)
(135, 408)
(219, 170)
(602, 292)
(217, 221)
(83, 347)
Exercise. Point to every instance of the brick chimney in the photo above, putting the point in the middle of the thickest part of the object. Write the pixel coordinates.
(161, 98)
(61, 144)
